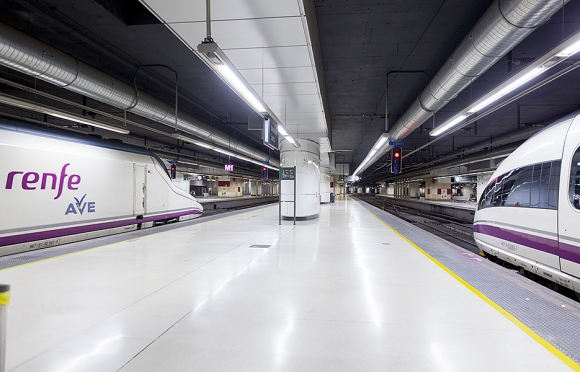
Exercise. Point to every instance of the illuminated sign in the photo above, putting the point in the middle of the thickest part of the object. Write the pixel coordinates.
(270, 134)
(229, 167)
(287, 173)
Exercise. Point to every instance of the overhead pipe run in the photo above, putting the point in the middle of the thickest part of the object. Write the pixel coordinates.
(28, 55)
(503, 26)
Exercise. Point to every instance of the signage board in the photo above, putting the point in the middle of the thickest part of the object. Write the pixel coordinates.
(287, 174)
(229, 167)
(270, 134)
(464, 179)
(397, 143)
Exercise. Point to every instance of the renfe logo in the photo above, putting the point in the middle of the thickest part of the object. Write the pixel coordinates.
(29, 180)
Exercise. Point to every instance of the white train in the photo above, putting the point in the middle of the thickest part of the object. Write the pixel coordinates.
(57, 187)
(529, 213)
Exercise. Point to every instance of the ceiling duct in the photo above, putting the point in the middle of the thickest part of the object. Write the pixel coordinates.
(33, 57)
(503, 26)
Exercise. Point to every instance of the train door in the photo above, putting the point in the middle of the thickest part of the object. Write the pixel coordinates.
(569, 202)
(139, 186)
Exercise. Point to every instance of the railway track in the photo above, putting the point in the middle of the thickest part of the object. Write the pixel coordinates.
(213, 212)
(454, 230)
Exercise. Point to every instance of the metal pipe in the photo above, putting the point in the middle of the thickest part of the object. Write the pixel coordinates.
(503, 26)
(208, 18)
(30, 56)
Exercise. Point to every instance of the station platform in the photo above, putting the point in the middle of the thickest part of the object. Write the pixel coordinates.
(354, 290)
(457, 209)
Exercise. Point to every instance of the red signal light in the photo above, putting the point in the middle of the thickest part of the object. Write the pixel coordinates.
(397, 154)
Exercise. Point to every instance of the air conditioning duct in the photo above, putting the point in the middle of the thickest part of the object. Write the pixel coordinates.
(30, 56)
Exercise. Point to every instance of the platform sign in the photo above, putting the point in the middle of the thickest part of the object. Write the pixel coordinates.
(288, 174)
(397, 143)
(464, 179)
(270, 134)
(229, 167)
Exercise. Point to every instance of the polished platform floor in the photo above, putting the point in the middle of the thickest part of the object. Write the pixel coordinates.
(343, 292)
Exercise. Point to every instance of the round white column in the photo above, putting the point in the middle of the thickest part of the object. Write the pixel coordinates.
(324, 185)
(306, 159)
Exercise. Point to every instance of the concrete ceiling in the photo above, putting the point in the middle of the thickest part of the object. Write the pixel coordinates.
(361, 43)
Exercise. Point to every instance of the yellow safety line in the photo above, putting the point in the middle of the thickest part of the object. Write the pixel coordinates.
(109, 244)
(551, 348)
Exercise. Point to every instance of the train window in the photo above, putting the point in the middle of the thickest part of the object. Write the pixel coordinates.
(554, 185)
(535, 186)
(518, 188)
(485, 200)
(502, 188)
(481, 203)
(544, 185)
(487, 195)
(575, 180)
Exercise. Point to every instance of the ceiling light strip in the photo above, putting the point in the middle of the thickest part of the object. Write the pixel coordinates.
(554, 57)
(37, 107)
(215, 58)
(220, 150)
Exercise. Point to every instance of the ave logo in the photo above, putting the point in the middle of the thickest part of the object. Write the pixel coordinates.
(80, 206)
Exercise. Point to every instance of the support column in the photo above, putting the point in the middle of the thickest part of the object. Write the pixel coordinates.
(306, 159)
(324, 185)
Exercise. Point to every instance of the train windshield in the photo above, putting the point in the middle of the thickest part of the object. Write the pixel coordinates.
(533, 186)
(575, 180)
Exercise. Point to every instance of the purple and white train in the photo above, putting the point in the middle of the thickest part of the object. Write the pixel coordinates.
(58, 187)
(529, 213)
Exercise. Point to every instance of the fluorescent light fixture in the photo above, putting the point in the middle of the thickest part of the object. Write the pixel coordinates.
(550, 59)
(282, 130)
(445, 127)
(216, 59)
(220, 150)
(241, 88)
(33, 106)
(82, 120)
(509, 88)
(570, 50)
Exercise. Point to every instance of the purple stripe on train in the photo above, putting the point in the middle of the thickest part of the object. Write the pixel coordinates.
(565, 251)
(533, 241)
(49, 234)
(570, 252)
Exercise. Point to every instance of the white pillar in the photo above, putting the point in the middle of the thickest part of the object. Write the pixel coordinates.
(324, 185)
(306, 159)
